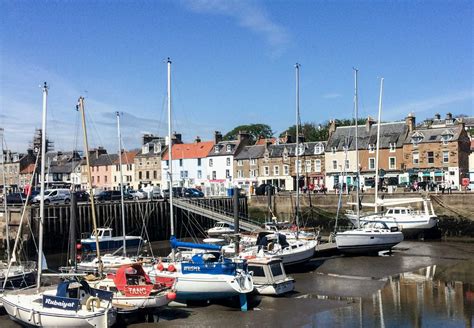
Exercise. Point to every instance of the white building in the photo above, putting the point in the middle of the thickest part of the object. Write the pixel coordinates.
(189, 164)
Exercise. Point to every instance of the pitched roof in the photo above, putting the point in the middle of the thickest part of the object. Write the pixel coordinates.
(28, 169)
(190, 150)
(104, 160)
(435, 134)
(390, 133)
(127, 157)
(222, 148)
(250, 152)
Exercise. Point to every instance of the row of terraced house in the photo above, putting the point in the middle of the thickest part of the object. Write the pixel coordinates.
(438, 150)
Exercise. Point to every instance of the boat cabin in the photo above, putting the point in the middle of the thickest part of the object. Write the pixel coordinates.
(269, 276)
(102, 233)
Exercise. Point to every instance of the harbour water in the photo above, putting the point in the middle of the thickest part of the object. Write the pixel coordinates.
(421, 284)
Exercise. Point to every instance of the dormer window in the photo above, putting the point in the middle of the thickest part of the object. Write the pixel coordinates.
(145, 149)
(318, 148)
(301, 149)
(371, 148)
(157, 148)
(416, 138)
(345, 148)
(333, 150)
(447, 136)
(392, 147)
(228, 148)
(216, 148)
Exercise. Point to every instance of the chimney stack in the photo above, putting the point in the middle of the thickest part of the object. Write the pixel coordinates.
(332, 127)
(449, 116)
(369, 123)
(197, 140)
(437, 116)
(147, 138)
(176, 138)
(410, 122)
(217, 137)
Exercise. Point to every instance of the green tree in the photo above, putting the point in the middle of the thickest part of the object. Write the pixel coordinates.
(318, 132)
(254, 130)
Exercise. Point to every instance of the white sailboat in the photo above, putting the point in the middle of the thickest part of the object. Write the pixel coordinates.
(287, 244)
(64, 305)
(374, 236)
(205, 275)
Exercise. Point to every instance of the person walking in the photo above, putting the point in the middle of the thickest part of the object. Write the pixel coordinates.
(448, 186)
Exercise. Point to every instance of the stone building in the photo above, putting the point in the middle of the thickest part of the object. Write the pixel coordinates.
(246, 167)
(128, 170)
(148, 161)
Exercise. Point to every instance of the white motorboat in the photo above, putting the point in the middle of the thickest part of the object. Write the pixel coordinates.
(109, 263)
(269, 276)
(406, 218)
(372, 237)
(220, 228)
(107, 242)
(132, 289)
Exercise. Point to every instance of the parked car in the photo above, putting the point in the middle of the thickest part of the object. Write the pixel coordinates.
(82, 196)
(153, 192)
(262, 189)
(32, 196)
(177, 192)
(15, 198)
(193, 192)
(111, 195)
(138, 194)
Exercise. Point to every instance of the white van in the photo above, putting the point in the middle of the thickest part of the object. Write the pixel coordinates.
(55, 196)
(153, 192)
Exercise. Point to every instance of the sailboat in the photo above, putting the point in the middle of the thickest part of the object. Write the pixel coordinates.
(14, 274)
(376, 235)
(69, 304)
(111, 262)
(207, 274)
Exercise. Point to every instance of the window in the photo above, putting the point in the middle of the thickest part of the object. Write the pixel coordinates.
(276, 170)
(416, 158)
(154, 175)
(308, 165)
(105, 179)
(266, 171)
(392, 147)
(299, 164)
(347, 164)
(228, 148)
(199, 174)
(318, 148)
(92, 179)
(117, 167)
(447, 136)
(240, 162)
(392, 163)
(227, 174)
(253, 161)
(371, 163)
(167, 163)
(239, 174)
(445, 156)
(334, 164)
(416, 138)
(371, 148)
(147, 174)
(253, 173)
(214, 175)
(140, 175)
(181, 162)
(286, 169)
(183, 174)
(106, 168)
(98, 179)
(216, 149)
(317, 165)
(430, 156)
(115, 178)
(333, 150)
(211, 162)
(157, 148)
(227, 161)
(199, 161)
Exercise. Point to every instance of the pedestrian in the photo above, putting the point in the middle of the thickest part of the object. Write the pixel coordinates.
(448, 186)
(442, 186)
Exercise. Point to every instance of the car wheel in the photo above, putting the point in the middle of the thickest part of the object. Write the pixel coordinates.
(66, 201)
(47, 202)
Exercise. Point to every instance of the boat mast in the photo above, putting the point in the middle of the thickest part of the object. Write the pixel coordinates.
(377, 149)
(356, 114)
(170, 158)
(89, 181)
(297, 210)
(5, 205)
(43, 160)
(119, 135)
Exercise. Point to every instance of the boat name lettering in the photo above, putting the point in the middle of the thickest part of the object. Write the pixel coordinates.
(193, 268)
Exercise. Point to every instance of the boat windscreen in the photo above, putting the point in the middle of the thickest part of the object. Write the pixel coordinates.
(276, 269)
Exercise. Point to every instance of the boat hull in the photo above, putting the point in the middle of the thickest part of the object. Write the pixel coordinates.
(357, 241)
(277, 288)
(20, 280)
(112, 244)
(404, 223)
(28, 310)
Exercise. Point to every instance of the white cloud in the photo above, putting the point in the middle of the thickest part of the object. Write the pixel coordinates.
(332, 95)
(248, 15)
(424, 105)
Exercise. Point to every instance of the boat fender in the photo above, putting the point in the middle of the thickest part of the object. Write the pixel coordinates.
(159, 267)
(171, 268)
(171, 296)
(90, 300)
(248, 257)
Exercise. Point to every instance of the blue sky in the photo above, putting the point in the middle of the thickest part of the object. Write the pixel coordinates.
(233, 63)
